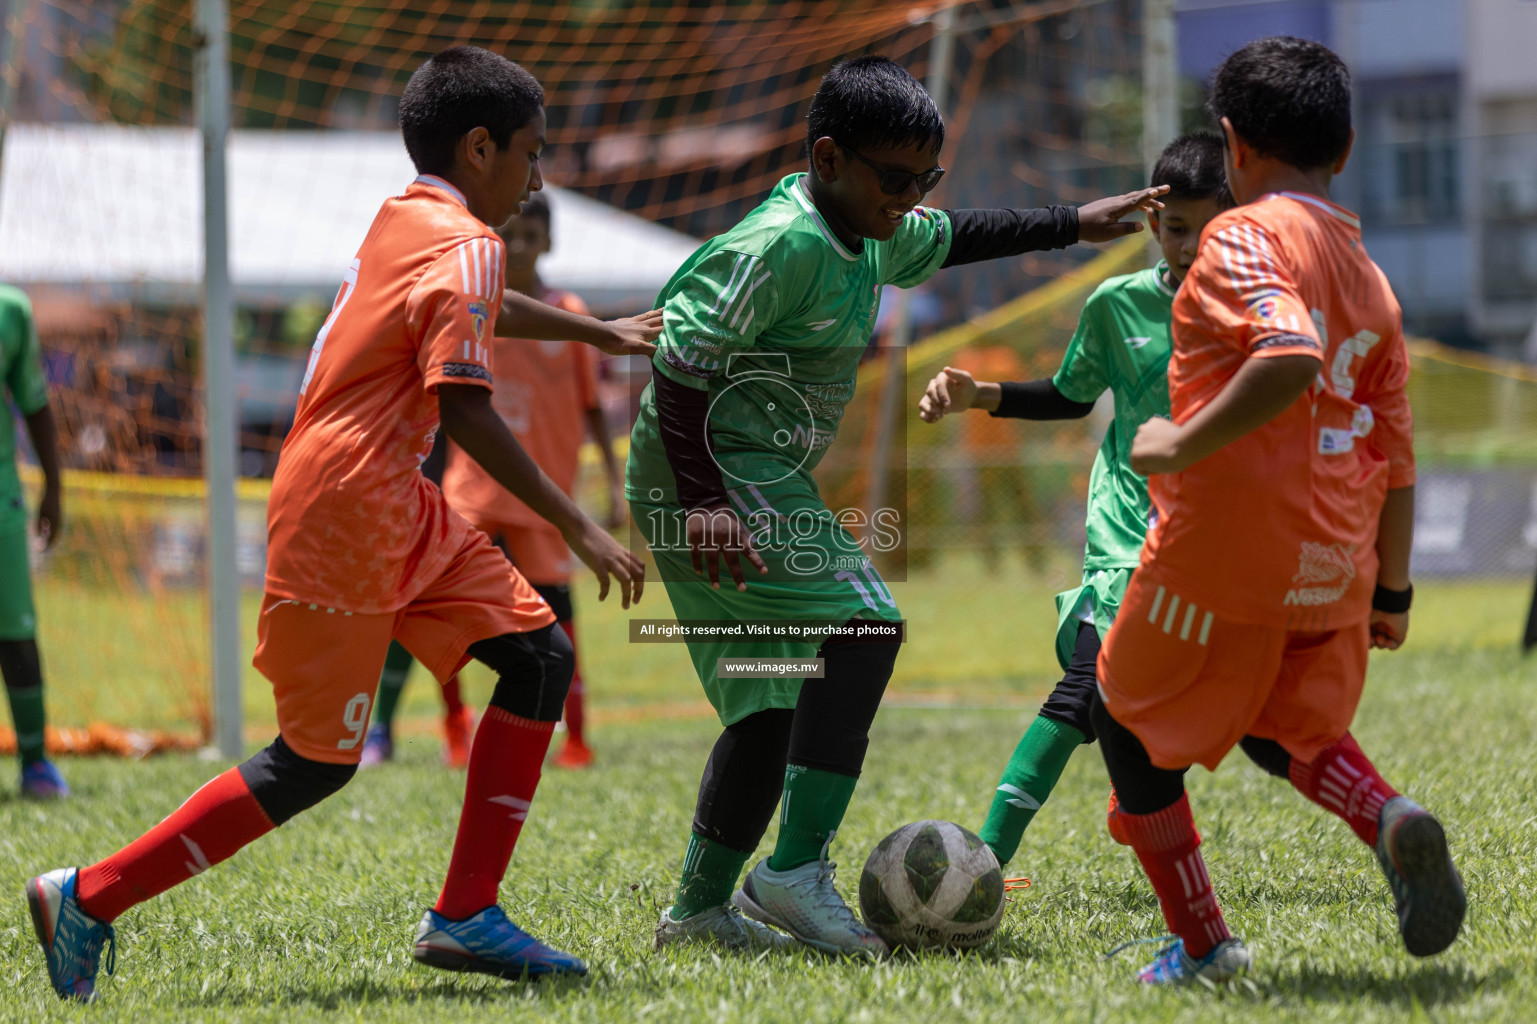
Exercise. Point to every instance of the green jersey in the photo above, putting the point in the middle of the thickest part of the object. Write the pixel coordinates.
(21, 372)
(771, 318)
(1122, 345)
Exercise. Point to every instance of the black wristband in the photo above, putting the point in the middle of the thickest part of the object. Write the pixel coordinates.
(1394, 602)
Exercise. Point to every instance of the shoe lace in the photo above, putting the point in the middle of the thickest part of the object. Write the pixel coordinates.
(1169, 939)
(821, 884)
(109, 935)
(101, 934)
(509, 937)
(1014, 885)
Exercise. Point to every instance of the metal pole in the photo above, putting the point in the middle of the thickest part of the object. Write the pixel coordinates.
(894, 393)
(1160, 79)
(218, 359)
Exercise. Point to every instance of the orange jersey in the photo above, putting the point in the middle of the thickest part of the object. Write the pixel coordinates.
(1280, 527)
(351, 522)
(543, 390)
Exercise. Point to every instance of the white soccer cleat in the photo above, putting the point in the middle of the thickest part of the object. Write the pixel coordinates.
(804, 902)
(722, 926)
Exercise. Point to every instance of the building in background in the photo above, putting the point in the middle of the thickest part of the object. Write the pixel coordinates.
(1445, 167)
(1500, 108)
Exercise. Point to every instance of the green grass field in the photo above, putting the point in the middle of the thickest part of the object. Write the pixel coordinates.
(315, 921)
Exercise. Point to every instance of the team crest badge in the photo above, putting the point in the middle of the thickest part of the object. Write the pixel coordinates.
(1265, 309)
(478, 317)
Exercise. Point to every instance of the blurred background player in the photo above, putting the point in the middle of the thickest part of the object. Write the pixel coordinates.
(546, 391)
(21, 370)
(362, 549)
(1122, 345)
(764, 327)
(1283, 491)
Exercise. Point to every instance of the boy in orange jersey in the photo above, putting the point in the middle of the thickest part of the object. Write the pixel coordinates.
(362, 549)
(1283, 507)
(547, 393)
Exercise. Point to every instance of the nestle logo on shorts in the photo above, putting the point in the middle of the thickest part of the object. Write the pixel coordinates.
(769, 668)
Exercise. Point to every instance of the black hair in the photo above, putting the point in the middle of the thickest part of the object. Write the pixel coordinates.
(1192, 167)
(537, 207)
(1289, 98)
(458, 90)
(873, 103)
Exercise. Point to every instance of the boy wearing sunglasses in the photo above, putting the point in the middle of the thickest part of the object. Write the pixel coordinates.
(763, 329)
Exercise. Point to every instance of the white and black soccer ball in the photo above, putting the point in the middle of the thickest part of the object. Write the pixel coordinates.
(932, 883)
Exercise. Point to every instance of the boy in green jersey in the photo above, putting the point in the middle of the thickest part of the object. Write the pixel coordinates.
(763, 329)
(1122, 345)
(21, 373)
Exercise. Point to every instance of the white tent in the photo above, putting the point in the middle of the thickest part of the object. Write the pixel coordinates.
(120, 209)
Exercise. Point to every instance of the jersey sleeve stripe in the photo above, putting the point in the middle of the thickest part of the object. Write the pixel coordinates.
(746, 298)
(736, 289)
(1229, 250)
(464, 272)
(498, 262)
(723, 299)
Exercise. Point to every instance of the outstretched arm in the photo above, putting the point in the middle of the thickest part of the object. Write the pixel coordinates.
(523, 317)
(471, 423)
(995, 234)
(954, 390)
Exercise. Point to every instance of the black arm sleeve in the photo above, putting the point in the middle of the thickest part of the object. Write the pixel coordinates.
(1038, 400)
(993, 234)
(682, 418)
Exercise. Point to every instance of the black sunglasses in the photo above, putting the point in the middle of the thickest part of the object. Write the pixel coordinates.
(894, 183)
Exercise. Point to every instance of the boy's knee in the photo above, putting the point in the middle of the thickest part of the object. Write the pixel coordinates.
(533, 671)
(285, 783)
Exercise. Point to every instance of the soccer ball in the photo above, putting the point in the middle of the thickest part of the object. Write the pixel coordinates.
(932, 883)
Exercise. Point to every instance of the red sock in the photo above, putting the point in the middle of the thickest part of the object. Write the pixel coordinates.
(505, 761)
(215, 821)
(453, 701)
(1342, 781)
(575, 715)
(1167, 844)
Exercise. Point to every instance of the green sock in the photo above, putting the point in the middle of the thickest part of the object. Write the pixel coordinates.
(392, 681)
(27, 713)
(710, 871)
(811, 809)
(1031, 775)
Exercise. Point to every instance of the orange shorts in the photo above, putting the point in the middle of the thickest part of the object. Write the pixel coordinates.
(1190, 685)
(537, 549)
(324, 663)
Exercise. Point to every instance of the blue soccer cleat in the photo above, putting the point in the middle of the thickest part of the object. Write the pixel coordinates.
(378, 746)
(41, 780)
(72, 939)
(1173, 966)
(1428, 893)
(488, 943)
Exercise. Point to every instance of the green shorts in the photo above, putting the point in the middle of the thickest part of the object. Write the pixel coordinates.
(818, 574)
(18, 619)
(1097, 601)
